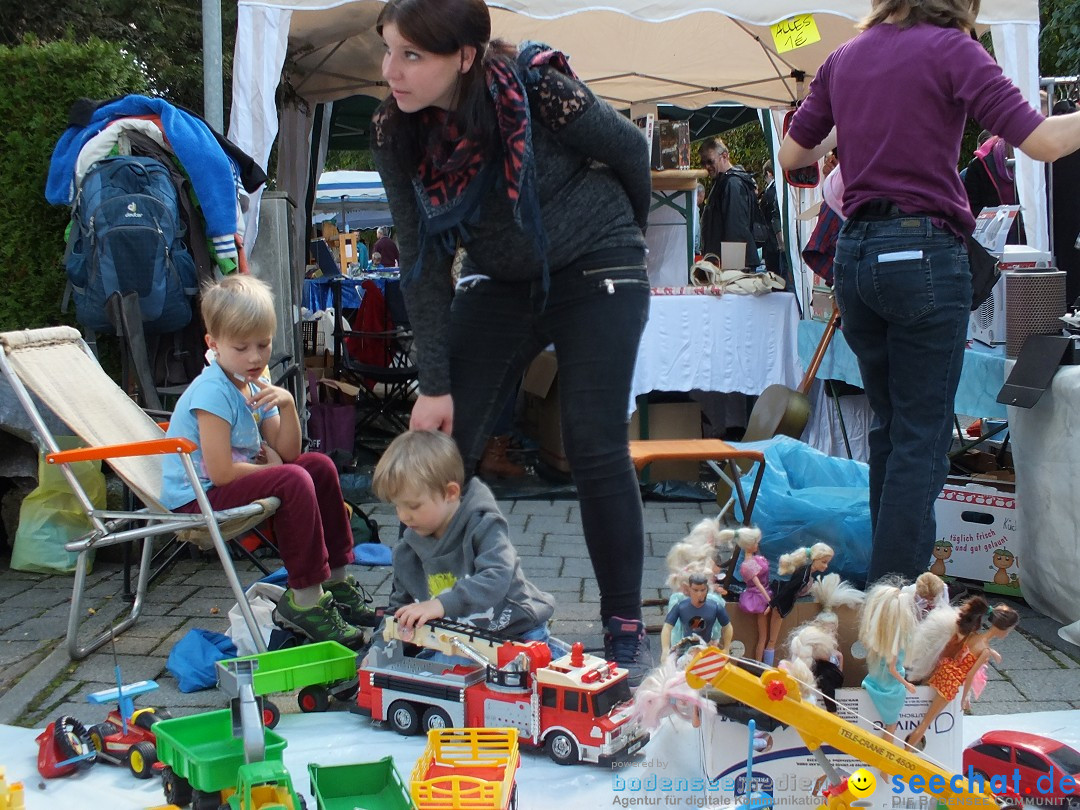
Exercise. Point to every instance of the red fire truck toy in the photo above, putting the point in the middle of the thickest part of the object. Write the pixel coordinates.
(576, 707)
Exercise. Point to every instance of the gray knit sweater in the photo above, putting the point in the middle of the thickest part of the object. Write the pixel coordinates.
(473, 569)
(592, 170)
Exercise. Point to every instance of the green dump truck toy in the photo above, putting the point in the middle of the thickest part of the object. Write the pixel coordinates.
(320, 671)
(203, 758)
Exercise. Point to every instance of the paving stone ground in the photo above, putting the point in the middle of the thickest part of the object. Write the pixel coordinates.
(38, 681)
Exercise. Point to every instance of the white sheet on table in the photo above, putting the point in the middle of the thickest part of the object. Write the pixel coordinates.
(741, 343)
(338, 737)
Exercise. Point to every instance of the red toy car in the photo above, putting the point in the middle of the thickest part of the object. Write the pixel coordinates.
(1036, 768)
(130, 743)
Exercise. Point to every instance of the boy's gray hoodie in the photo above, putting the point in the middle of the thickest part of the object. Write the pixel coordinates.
(473, 569)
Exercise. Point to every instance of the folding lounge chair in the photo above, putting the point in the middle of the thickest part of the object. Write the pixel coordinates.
(58, 367)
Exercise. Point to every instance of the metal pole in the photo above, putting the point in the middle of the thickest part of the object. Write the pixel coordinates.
(213, 96)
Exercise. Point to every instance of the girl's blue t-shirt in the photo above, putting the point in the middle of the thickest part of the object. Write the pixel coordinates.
(212, 391)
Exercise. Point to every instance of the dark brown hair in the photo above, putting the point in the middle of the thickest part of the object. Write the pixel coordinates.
(1004, 617)
(445, 27)
(942, 13)
(967, 622)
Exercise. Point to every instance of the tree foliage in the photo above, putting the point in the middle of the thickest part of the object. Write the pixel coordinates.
(165, 36)
(1059, 40)
(41, 80)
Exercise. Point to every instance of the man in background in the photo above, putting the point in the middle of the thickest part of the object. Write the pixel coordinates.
(730, 207)
(385, 247)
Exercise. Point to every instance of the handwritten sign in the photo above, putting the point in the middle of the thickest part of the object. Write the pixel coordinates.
(795, 32)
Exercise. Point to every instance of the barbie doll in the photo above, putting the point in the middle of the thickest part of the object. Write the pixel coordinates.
(802, 564)
(885, 629)
(963, 657)
(756, 597)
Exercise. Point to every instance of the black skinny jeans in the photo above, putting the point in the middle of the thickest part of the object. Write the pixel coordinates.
(594, 314)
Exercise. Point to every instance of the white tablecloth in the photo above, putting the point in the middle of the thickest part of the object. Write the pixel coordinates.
(676, 752)
(726, 343)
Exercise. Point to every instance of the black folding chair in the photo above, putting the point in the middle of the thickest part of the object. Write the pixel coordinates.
(386, 375)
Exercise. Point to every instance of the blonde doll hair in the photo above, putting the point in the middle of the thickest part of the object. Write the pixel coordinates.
(929, 586)
(810, 642)
(744, 537)
(888, 621)
(685, 558)
(832, 592)
(803, 556)
(679, 578)
(708, 532)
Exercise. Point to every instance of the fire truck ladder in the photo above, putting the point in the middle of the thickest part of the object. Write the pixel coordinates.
(454, 638)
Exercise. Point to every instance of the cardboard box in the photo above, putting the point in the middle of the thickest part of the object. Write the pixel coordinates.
(337, 391)
(978, 536)
(541, 421)
(669, 420)
(745, 630)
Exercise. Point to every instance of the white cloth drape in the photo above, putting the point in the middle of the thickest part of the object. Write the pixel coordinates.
(262, 37)
(1016, 46)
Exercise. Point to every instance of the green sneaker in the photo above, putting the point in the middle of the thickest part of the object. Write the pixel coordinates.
(353, 602)
(321, 622)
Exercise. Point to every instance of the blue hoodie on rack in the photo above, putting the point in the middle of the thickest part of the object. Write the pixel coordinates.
(213, 173)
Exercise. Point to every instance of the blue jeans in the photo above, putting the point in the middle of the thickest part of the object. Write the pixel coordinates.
(904, 292)
(594, 313)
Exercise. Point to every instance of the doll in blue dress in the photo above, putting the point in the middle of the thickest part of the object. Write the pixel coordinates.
(885, 630)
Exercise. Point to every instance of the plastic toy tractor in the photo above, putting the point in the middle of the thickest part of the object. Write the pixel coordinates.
(127, 737)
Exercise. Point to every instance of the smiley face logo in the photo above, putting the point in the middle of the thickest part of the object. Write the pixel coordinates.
(861, 783)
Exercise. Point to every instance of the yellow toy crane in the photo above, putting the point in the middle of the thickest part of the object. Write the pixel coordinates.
(778, 695)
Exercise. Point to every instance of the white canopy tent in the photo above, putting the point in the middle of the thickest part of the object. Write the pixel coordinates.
(690, 52)
(353, 198)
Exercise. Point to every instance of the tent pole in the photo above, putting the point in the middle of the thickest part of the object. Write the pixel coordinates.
(213, 95)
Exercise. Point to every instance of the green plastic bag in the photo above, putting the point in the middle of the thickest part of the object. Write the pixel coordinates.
(51, 515)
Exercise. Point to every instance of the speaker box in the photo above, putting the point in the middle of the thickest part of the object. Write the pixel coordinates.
(1036, 303)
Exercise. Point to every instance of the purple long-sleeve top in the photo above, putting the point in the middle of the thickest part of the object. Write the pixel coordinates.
(899, 99)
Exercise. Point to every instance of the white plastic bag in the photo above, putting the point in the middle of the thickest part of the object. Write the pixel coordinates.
(263, 598)
(325, 320)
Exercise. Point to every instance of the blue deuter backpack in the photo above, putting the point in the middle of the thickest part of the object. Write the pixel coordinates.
(127, 236)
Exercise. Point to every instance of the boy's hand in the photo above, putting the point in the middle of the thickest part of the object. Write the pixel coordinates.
(419, 613)
(269, 456)
(270, 396)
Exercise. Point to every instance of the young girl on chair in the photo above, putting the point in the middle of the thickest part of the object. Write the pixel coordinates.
(248, 434)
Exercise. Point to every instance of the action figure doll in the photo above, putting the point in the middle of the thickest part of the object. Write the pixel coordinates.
(697, 615)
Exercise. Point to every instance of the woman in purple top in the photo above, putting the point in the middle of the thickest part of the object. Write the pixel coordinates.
(896, 98)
